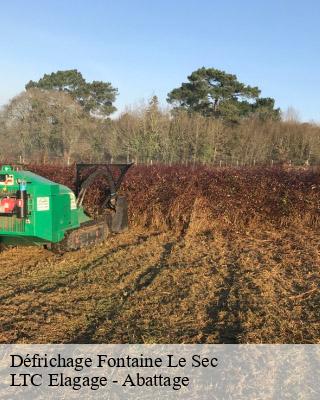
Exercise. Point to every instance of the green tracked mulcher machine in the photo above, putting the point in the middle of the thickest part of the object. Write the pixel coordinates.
(37, 211)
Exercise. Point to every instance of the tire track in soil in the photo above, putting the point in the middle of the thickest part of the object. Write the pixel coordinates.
(120, 300)
(228, 303)
(59, 282)
(228, 329)
(24, 268)
(142, 281)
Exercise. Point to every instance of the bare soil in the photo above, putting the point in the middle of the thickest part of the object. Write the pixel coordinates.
(257, 284)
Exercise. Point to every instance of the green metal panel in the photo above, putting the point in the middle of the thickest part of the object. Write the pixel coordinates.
(52, 210)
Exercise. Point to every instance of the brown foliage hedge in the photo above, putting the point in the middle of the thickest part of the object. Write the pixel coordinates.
(170, 196)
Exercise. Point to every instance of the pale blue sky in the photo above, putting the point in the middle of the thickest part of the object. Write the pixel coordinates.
(149, 47)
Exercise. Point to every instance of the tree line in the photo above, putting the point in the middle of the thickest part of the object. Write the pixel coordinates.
(214, 119)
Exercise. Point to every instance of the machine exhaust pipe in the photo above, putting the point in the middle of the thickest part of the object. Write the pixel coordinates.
(22, 201)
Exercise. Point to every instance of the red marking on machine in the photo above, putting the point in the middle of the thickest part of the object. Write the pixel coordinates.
(7, 205)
